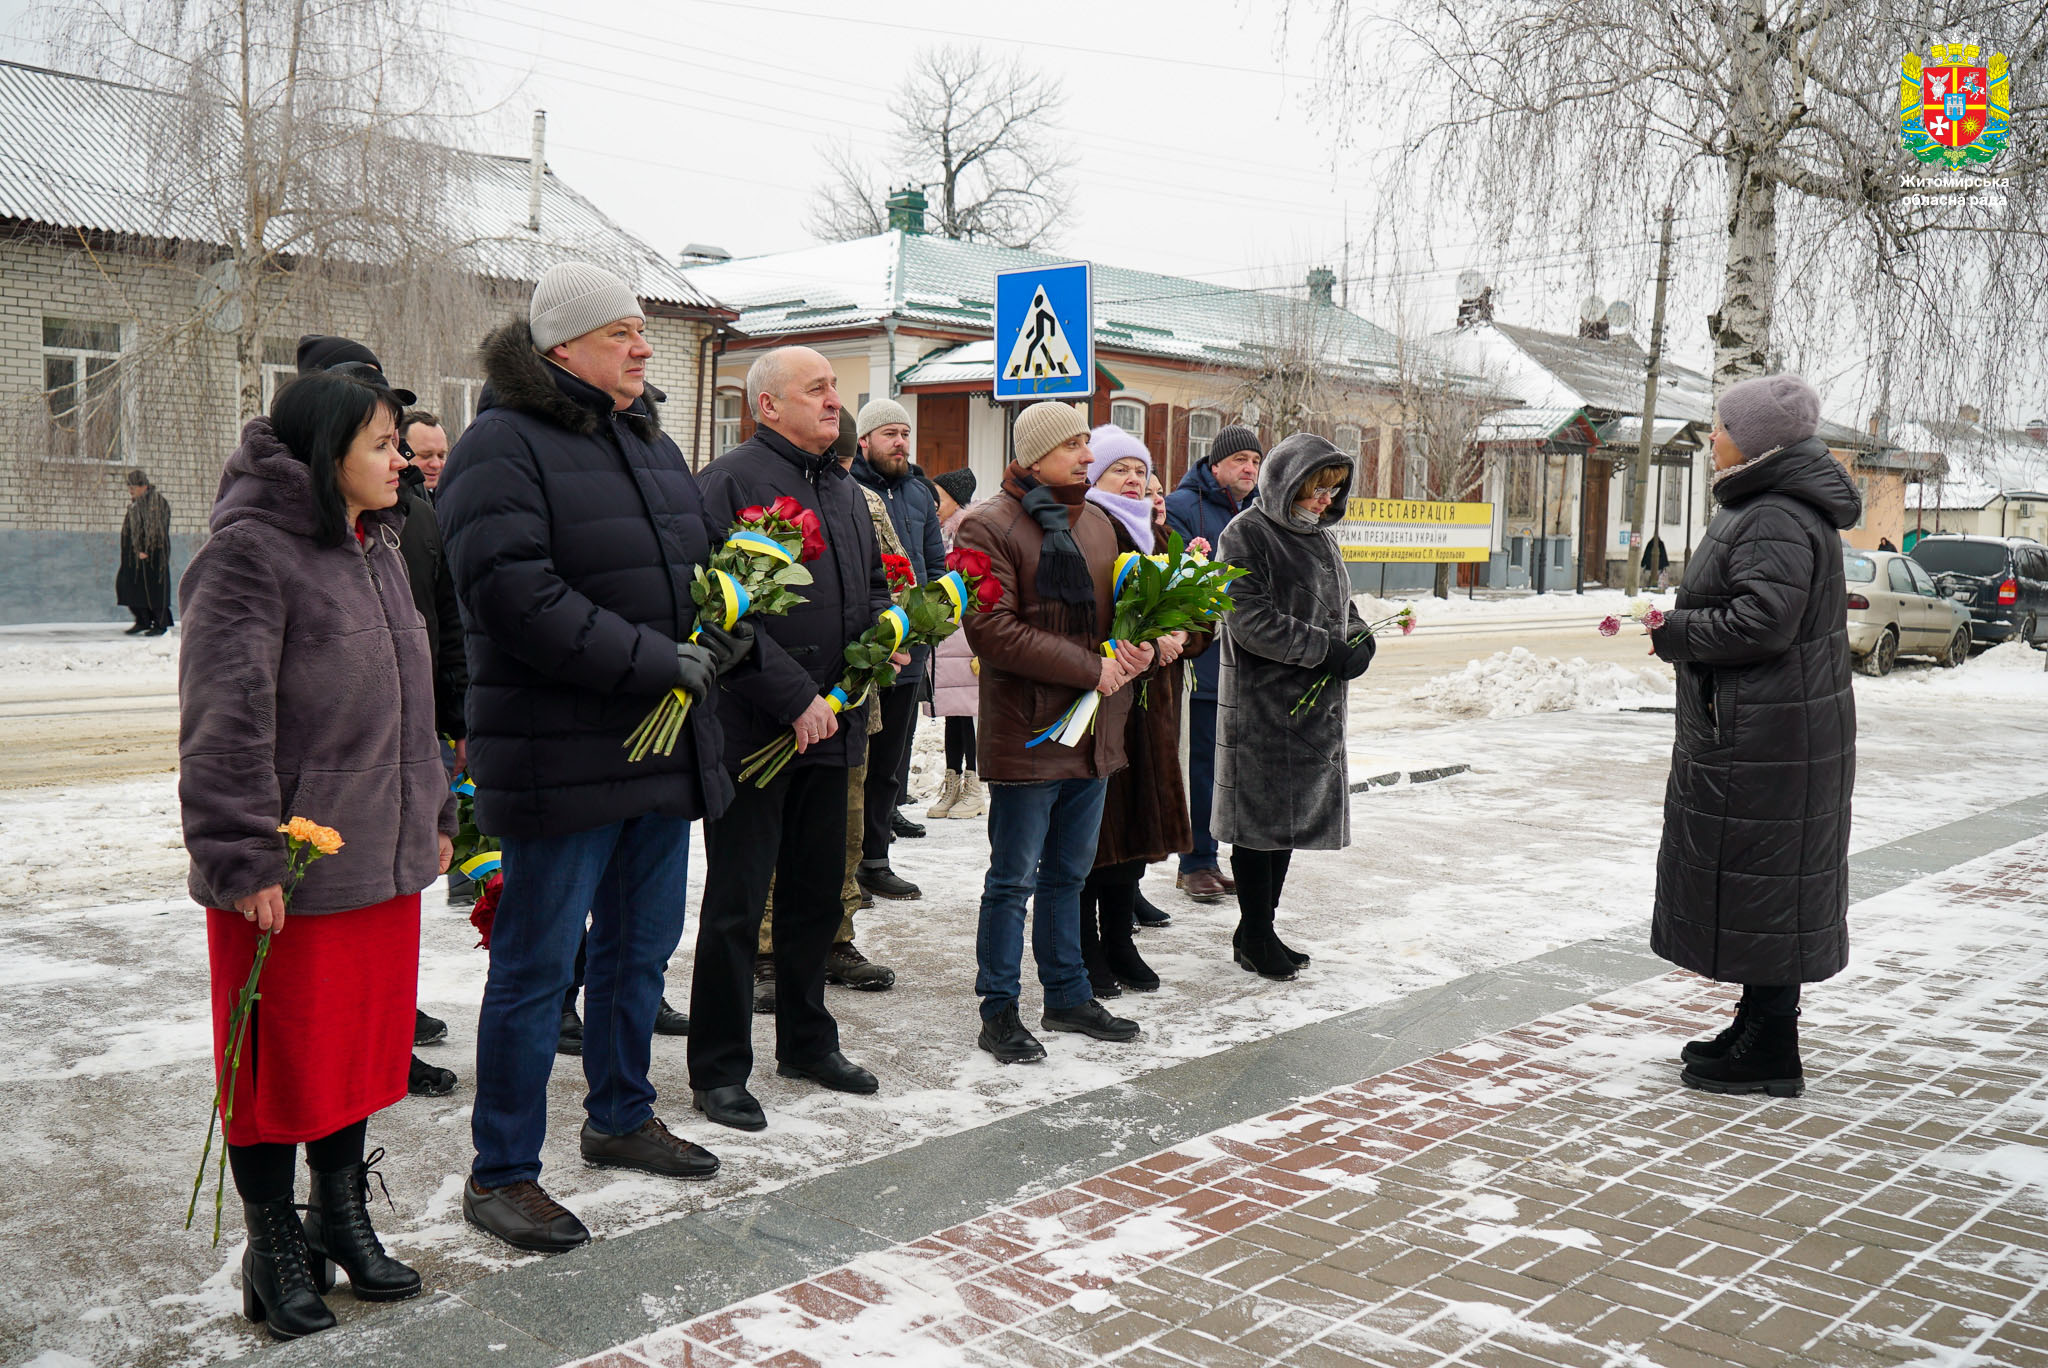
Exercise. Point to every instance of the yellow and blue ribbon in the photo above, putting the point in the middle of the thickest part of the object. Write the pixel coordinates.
(954, 586)
(898, 624)
(737, 602)
(465, 786)
(761, 544)
(838, 701)
(481, 867)
(1108, 649)
(1125, 563)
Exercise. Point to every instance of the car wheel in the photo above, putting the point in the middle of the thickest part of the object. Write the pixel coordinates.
(2027, 633)
(1883, 655)
(1958, 650)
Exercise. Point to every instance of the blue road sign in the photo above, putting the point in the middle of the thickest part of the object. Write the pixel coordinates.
(1045, 332)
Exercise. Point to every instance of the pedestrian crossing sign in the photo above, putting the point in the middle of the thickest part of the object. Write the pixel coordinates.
(1045, 334)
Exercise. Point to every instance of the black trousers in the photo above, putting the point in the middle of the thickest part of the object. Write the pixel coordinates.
(263, 1173)
(794, 830)
(960, 743)
(1771, 1001)
(888, 749)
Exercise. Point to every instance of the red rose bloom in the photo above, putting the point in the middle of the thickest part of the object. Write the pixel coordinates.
(898, 571)
(987, 594)
(787, 509)
(813, 529)
(969, 562)
(751, 515)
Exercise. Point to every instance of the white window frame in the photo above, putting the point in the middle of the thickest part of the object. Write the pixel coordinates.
(1128, 407)
(80, 359)
(725, 431)
(1355, 446)
(1199, 442)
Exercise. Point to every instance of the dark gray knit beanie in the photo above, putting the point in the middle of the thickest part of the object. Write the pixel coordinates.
(1769, 412)
(1232, 440)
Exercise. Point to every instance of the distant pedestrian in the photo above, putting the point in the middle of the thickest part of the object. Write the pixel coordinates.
(1145, 807)
(304, 691)
(1753, 872)
(956, 682)
(574, 527)
(1040, 648)
(1282, 782)
(1214, 491)
(143, 583)
(1656, 562)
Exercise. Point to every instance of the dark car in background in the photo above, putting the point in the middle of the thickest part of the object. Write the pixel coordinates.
(2003, 581)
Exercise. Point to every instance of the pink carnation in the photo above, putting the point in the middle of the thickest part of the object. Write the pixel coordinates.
(1610, 625)
(1653, 619)
(1407, 623)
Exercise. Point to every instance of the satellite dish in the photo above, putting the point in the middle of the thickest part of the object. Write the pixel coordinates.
(1592, 308)
(218, 298)
(1620, 315)
(1470, 284)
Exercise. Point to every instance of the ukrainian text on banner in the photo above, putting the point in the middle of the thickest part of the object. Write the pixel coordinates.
(1415, 530)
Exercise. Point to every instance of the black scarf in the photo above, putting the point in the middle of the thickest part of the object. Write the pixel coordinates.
(1064, 584)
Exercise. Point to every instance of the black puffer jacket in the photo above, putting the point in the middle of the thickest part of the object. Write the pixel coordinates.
(1753, 873)
(433, 593)
(799, 655)
(573, 532)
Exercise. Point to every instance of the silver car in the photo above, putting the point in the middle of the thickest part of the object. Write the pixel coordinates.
(1895, 610)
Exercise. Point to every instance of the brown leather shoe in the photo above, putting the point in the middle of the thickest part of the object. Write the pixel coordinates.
(1203, 885)
(523, 1216)
(650, 1149)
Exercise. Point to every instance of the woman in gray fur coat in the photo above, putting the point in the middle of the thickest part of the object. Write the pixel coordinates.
(1282, 783)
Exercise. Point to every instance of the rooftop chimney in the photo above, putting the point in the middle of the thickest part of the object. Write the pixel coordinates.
(1476, 310)
(2037, 428)
(1322, 281)
(906, 209)
(537, 167)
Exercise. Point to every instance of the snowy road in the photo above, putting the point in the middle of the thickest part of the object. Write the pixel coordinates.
(106, 1086)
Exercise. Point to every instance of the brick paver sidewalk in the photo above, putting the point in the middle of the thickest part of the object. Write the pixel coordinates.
(1546, 1196)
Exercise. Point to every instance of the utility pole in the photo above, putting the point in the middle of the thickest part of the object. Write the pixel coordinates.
(1637, 542)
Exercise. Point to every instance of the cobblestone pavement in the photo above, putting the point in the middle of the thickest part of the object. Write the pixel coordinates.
(1545, 1196)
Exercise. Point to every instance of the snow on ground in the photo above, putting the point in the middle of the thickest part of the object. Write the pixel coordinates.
(1431, 611)
(58, 662)
(1517, 682)
(107, 1086)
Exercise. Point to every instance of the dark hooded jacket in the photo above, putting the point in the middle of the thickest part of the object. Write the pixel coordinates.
(1282, 779)
(143, 582)
(914, 513)
(1753, 872)
(800, 655)
(433, 593)
(1201, 508)
(573, 533)
(304, 690)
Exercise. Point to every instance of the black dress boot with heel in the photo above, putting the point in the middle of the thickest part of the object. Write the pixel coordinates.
(277, 1276)
(338, 1231)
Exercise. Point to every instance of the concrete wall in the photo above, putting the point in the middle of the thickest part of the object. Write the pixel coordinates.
(69, 576)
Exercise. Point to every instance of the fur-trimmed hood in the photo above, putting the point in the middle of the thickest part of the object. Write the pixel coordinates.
(518, 377)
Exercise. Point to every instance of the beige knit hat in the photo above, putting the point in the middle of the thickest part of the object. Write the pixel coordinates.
(1044, 426)
(880, 413)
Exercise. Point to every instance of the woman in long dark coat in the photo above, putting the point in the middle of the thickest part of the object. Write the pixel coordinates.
(304, 690)
(1282, 779)
(1753, 873)
(143, 583)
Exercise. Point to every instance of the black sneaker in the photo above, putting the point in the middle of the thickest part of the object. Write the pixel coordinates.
(905, 829)
(1004, 1036)
(883, 882)
(424, 1080)
(427, 1030)
(847, 967)
(1091, 1018)
(570, 1041)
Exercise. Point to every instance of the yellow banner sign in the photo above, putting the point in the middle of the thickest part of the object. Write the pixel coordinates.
(1418, 511)
(1415, 530)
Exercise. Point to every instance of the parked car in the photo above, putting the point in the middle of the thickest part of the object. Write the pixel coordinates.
(1896, 609)
(2004, 580)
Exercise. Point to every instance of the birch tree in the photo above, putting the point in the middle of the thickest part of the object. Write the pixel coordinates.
(1773, 126)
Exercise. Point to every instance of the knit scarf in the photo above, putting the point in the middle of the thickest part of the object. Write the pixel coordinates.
(1064, 584)
(1134, 514)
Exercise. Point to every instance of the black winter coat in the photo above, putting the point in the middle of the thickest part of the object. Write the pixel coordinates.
(914, 513)
(573, 532)
(1753, 873)
(800, 655)
(433, 593)
(1200, 508)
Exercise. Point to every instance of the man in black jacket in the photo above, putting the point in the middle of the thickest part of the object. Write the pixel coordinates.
(795, 827)
(884, 466)
(574, 528)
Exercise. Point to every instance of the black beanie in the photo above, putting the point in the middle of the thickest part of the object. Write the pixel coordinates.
(959, 484)
(318, 353)
(1232, 440)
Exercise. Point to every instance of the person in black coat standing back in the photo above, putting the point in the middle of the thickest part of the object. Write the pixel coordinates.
(794, 829)
(574, 528)
(1753, 873)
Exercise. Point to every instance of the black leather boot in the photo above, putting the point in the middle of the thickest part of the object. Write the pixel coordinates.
(1763, 1059)
(1120, 951)
(338, 1232)
(1101, 982)
(1258, 951)
(277, 1279)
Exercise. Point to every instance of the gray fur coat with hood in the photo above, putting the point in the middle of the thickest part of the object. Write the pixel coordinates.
(1282, 781)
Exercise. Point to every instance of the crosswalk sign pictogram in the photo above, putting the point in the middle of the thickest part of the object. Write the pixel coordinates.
(1044, 334)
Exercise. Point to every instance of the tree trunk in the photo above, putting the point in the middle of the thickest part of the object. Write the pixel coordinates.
(1442, 587)
(1742, 324)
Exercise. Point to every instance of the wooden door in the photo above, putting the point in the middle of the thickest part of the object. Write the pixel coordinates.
(1593, 522)
(941, 432)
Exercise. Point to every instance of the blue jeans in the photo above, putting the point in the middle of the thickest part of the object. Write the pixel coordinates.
(630, 876)
(1041, 846)
(1201, 783)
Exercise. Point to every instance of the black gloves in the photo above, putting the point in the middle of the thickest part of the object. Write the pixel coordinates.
(1347, 661)
(727, 648)
(697, 674)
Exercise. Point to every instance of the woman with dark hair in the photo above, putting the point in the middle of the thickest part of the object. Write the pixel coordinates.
(305, 691)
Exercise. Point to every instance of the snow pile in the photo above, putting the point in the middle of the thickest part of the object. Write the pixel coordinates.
(28, 666)
(1517, 683)
(2011, 671)
(1588, 607)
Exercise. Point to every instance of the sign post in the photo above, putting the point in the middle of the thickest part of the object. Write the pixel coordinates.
(1045, 333)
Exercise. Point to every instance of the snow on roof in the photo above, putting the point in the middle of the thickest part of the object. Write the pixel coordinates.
(913, 277)
(968, 362)
(1554, 369)
(1983, 462)
(69, 160)
(1525, 424)
(1628, 432)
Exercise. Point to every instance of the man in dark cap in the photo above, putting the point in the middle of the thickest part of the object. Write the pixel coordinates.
(143, 583)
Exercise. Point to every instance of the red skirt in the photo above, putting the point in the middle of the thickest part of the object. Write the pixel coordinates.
(330, 1039)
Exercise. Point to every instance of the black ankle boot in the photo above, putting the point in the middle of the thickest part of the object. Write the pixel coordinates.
(1764, 1058)
(338, 1232)
(1294, 956)
(1101, 982)
(1120, 953)
(1717, 1047)
(277, 1281)
(1258, 951)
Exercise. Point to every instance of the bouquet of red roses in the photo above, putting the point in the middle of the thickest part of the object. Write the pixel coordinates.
(753, 575)
(924, 615)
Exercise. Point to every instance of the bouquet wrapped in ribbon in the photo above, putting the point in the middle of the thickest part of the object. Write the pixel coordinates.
(754, 574)
(1177, 590)
(923, 615)
(1405, 619)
